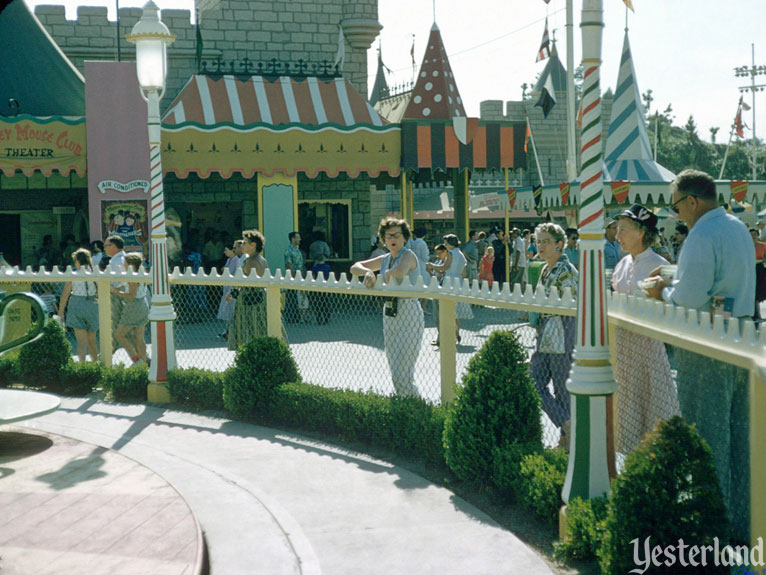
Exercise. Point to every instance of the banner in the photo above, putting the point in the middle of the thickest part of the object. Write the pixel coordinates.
(127, 219)
(620, 189)
(33, 144)
(739, 189)
(564, 190)
(511, 198)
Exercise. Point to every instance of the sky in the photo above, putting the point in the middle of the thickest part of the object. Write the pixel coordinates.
(685, 51)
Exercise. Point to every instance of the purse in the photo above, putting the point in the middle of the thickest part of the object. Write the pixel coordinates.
(552, 338)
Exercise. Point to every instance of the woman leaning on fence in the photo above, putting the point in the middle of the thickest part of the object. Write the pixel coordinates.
(552, 358)
(645, 390)
(402, 317)
(79, 308)
(250, 307)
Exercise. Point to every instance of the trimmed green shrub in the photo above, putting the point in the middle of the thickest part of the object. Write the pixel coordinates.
(404, 425)
(495, 407)
(80, 378)
(667, 491)
(540, 481)
(197, 388)
(260, 366)
(586, 524)
(122, 383)
(9, 370)
(41, 361)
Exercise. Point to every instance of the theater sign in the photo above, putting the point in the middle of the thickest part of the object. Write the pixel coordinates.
(43, 144)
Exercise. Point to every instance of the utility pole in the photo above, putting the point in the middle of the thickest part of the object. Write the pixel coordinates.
(752, 71)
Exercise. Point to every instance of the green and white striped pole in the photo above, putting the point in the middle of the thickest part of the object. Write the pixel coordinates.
(591, 383)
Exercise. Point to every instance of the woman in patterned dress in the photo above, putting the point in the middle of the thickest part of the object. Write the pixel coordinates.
(552, 358)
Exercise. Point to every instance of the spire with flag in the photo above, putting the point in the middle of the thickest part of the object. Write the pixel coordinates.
(545, 45)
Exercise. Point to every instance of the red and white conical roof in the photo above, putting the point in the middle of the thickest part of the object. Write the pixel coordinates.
(435, 95)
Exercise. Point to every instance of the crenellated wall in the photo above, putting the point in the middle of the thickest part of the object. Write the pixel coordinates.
(257, 29)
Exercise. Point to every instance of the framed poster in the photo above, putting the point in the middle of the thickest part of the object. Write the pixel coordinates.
(127, 219)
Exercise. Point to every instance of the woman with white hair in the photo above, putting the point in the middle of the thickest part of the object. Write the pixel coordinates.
(552, 358)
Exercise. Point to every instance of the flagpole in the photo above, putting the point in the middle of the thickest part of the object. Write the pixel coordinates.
(534, 151)
(656, 132)
(571, 138)
(731, 137)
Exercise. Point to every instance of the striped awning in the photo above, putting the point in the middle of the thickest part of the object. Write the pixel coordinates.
(238, 101)
(282, 125)
(486, 145)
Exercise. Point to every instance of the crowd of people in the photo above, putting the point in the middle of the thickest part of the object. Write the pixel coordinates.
(720, 269)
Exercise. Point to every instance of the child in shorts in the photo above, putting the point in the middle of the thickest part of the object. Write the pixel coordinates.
(135, 314)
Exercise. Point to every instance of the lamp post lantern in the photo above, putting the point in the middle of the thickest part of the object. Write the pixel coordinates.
(151, 38)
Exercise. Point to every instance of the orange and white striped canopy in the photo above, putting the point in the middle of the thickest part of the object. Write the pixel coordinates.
(238, 101)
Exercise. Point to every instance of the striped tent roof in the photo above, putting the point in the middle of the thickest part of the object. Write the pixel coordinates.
(628, 155)
(279, 101)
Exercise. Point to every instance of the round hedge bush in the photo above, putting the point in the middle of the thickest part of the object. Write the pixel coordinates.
(495, 408)
(667, 491)
(260, 366)
(42, 361)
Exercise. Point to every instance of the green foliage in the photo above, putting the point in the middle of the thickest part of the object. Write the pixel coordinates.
(260, 366)
(9, 369)
(586, 524)
(197, 388)
(41, 361)
(497, 406)
(402, 424)
(540, 481)
(667, 491)
(80, 378)
(121, 383)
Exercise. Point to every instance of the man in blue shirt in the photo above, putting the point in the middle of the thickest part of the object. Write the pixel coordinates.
(716, 272)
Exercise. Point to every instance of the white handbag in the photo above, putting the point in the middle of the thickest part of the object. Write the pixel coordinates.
(552, 338)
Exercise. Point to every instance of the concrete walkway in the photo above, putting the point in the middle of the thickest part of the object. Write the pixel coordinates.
(276, 503)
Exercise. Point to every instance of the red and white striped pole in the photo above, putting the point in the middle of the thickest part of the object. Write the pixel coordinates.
(151, 38)
(591, 383)
(161, 312)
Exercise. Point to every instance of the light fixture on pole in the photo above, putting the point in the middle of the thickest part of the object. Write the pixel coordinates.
(751, 72)
(151, 38)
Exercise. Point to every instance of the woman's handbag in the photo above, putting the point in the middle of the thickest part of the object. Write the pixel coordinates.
(552, 338)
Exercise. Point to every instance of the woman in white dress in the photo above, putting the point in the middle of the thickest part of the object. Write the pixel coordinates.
(403, 323)
(645, 392)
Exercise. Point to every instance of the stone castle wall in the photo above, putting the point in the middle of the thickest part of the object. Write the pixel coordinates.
(257, 29)
(550, 134)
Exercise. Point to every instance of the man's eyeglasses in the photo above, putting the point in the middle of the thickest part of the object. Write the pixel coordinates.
(673, 206)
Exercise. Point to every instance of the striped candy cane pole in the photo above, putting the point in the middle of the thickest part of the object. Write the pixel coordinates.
(592, 382)
(161, 313)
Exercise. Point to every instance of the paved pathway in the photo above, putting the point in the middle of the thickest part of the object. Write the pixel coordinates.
(276, 503)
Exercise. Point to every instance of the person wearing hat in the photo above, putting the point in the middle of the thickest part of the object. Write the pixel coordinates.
(645, 385)
(612, 252)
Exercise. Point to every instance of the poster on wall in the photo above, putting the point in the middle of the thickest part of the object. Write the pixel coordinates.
(127, 219)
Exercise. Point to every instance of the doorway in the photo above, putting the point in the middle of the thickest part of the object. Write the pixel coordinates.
(10, 238)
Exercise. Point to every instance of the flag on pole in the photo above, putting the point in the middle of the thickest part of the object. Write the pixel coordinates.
(526, 138)
(742, 103)
(629, 4)
(547, 97)
(412, 51)
(340, 56)
(545, 46)
(738, 121)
